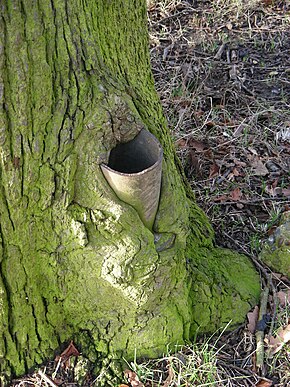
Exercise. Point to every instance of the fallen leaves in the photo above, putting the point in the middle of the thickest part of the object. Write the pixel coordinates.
(286, 192)
(133, 378)
(213, 171)
(284, 298)
(235, 194)
(258, 167)
(253, 318)
(65, 356)
(276, 343)
(264, 383)
(169, 378)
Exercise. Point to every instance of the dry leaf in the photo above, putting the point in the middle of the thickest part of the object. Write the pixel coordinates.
(272, 188)
(276, 343)
(253, 318)
(210, 124)
(214, 170)
(169, 378)
(208, 154)
(123, 385)
(70, 351)
(194, 162)
(274, 192)
(236, 194)
(264, 383)
(66, 355)
(268, 2)
(284, 298)
(236, 172)
(286, 191)
(197, 145)
(221, 199)
(182, 143)
(133, 378)
(253, 150)
(259, 169)
(198, 113)
(239, 163)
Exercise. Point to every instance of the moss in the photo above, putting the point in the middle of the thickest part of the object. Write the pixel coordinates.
(276, 251)
(225, 286)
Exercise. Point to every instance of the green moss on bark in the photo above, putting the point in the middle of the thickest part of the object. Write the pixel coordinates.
(276, 250)
(225, 286)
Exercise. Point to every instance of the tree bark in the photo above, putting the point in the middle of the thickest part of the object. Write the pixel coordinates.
(75, 261)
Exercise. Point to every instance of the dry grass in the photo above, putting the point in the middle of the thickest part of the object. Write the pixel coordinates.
(222, 72)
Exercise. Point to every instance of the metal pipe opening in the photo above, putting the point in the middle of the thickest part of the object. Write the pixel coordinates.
(136, 155)
(134, 173)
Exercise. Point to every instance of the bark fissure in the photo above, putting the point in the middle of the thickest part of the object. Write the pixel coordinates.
(6, 92)
(6, 295)
(35, 321)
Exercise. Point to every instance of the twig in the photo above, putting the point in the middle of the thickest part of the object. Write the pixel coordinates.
(260, 352)
(239, 369)
(253, 201)
(219, 54)
(181, 13)
(275, 303)
(46, 379)
(57, 367)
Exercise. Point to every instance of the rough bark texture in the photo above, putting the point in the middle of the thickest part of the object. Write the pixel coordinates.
(76, 262)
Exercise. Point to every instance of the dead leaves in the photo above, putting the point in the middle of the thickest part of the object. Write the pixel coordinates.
(275, 344)
(264, 383)
(134, 381)
(276, 341)
(213, 171)
(169, 378)
(64, 358)
(133, 378)
(62, 362)
(236, 195)
(253, 318)
(258, 167)
(220, 161)
(284, 298)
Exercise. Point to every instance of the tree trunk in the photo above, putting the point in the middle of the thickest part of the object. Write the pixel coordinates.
(75, 261)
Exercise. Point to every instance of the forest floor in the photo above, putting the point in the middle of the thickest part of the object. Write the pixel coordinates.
(222, 70)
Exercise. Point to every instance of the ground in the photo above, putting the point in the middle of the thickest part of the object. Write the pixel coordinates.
(222, 71)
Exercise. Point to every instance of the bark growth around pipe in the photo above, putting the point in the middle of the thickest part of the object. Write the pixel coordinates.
(75, 261)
